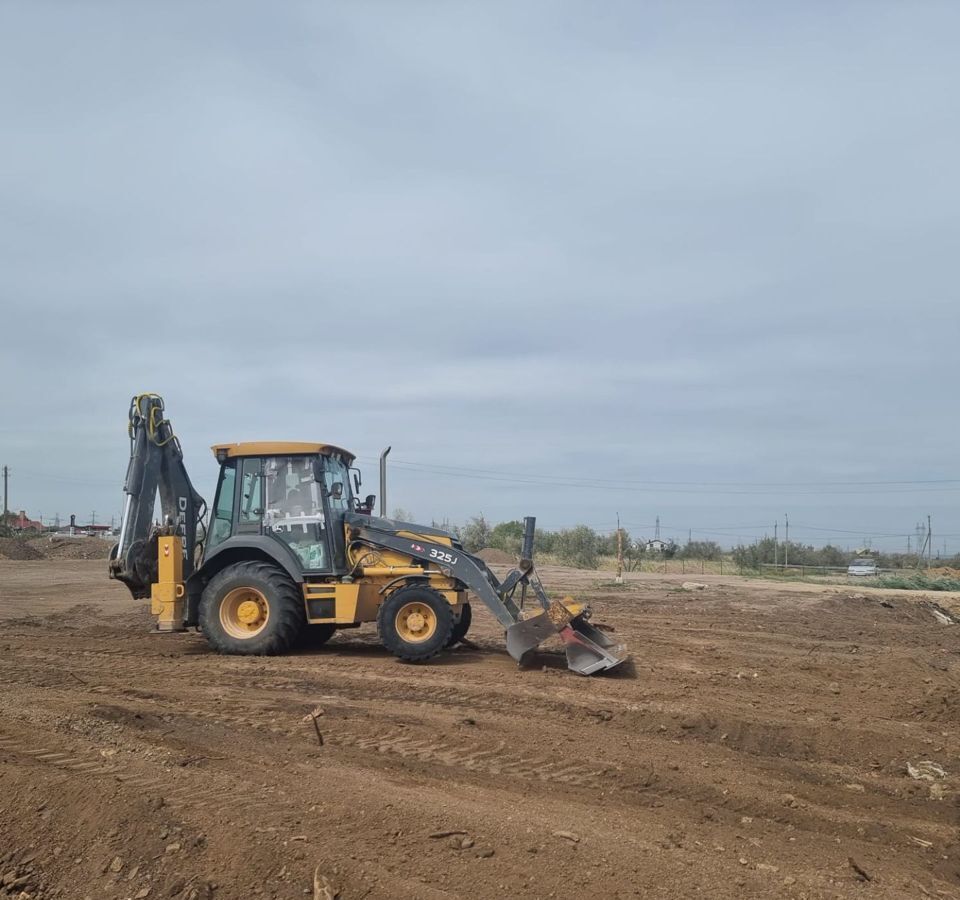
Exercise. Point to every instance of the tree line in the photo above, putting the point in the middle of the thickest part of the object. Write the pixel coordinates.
(584, 548)
(580, 546)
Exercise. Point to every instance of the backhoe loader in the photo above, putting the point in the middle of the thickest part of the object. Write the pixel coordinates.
(290, 554)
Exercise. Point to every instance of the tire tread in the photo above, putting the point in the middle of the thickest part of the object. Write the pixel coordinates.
(286, 603)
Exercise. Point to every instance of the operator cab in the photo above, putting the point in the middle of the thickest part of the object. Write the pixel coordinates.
(296, 494)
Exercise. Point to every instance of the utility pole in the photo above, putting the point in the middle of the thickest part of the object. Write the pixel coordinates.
(924, 550)
(929, 543)
(6, 478)
(619, 552)
(776, 555)
(786, 540)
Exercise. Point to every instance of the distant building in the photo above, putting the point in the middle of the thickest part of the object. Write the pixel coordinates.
(73, 529)
(656, 545)
(22, 522)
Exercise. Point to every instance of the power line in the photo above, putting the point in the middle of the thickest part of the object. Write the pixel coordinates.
(116, 482)
(655, 487)
(438, 467)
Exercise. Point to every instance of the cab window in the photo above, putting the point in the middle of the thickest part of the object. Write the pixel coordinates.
(223, 507)
(251, 508)
(336, 471)
(293, 509)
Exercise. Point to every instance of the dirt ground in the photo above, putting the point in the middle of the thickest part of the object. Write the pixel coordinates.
(758, 748)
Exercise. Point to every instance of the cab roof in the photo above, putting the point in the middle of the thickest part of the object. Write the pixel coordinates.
(278, 448)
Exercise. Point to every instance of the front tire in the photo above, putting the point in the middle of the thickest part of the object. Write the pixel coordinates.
(415, 623)
(252, 608)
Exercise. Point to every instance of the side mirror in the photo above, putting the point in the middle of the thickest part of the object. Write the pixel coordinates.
(357, 481)
(336, 490)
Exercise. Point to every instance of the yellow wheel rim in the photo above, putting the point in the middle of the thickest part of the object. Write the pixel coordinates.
(416, 622)
(244, 613)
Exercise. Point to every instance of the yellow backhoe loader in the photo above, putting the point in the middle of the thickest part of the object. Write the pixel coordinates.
(290, 553)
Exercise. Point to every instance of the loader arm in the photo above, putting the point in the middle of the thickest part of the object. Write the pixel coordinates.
(155, 469)
(589, 650)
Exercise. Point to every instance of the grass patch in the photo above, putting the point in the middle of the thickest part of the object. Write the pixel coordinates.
(918, 582)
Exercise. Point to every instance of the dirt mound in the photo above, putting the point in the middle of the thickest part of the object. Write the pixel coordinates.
(496, 557)
(15, 548)
(54, 548)
(76, 548)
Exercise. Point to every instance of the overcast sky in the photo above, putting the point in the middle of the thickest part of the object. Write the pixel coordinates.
(689, 260)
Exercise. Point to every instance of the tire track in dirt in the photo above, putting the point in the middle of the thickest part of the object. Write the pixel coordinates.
(495, 759)
(181, 790)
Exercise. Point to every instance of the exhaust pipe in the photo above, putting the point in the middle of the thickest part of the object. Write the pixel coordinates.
(383, 483)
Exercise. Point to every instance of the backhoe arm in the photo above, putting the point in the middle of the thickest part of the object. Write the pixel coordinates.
(155, 469)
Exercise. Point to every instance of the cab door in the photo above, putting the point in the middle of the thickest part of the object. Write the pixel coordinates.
(293, 510)
(250, 510)
(338, 499)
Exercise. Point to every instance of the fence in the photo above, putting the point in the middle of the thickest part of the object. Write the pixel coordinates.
(675, 566)
(783, 569)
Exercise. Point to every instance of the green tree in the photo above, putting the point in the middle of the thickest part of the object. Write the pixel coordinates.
(507, 536)
(700, 550)
(833, 556)
(633, 552)
(475, 535)
(579, 547)
(746, 556)
(544, 541)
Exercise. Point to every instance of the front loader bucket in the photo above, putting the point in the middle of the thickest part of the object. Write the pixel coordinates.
(589, 650)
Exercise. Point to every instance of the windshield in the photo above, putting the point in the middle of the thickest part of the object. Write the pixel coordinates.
(863, 562)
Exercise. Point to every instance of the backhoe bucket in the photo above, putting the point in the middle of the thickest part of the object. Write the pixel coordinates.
(589, 650)
(527, 635)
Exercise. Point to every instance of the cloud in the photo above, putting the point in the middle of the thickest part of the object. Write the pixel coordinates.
(674, 243)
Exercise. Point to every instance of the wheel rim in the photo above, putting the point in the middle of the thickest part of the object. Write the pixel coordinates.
(416, 622)
(244, 613)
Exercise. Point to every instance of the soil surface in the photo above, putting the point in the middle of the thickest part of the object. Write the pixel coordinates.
(761, 746)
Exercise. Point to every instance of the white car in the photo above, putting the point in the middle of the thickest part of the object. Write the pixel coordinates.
(863, 567)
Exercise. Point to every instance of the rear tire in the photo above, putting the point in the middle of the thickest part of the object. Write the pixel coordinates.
(252, 608)
(415, 623)
(461, 628)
